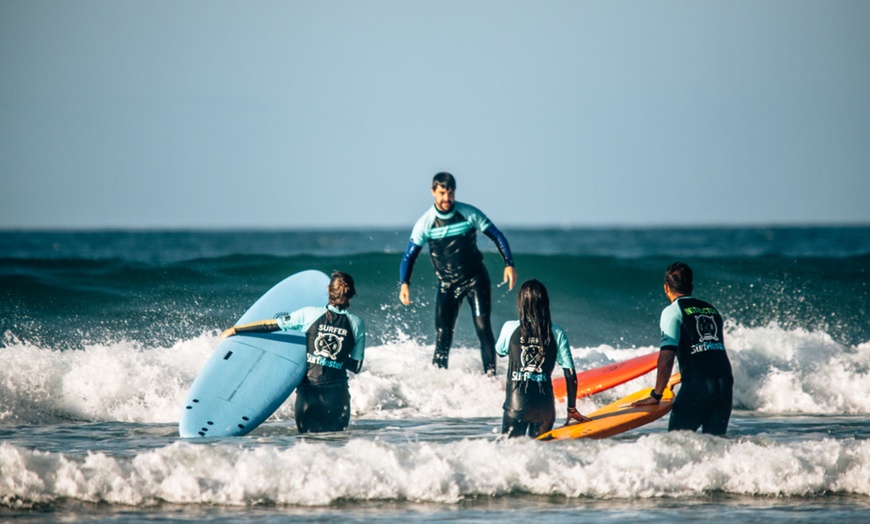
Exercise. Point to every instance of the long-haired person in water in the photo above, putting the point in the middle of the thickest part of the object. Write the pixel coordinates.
(534, 345)
(336, 344)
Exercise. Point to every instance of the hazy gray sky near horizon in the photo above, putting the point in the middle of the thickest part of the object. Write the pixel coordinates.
(284, 114)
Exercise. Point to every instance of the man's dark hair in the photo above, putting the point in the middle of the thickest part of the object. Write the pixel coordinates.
(445, 180)
(679, 277)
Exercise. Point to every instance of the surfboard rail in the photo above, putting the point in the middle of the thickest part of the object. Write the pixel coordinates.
(619, 416)
(596, 380)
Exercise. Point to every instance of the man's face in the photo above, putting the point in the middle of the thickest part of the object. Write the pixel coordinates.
(444, 199)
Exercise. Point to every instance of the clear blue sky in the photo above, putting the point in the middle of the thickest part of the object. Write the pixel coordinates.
(284, 114)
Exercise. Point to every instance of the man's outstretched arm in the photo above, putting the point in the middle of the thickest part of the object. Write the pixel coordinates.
(510, 273)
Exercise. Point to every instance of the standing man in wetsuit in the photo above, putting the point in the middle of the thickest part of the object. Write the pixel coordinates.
(450, 228)
(692, 332)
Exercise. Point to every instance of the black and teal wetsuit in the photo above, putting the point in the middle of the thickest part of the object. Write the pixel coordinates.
(458, 264)
(693, 328)
(336, 344)
(529, 406)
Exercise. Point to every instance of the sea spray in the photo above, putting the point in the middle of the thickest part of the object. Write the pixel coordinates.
(776, 370)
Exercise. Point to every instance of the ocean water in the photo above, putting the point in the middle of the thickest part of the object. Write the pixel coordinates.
(102, 333)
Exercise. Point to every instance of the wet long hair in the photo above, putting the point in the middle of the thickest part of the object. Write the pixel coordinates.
(533, 305)
(341, 290)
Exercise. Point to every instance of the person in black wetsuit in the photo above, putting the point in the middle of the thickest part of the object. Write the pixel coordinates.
(450, 229)
(534, 345)
(336, 344)
(692, 331)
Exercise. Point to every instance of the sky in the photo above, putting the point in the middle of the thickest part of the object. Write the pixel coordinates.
(328, 114)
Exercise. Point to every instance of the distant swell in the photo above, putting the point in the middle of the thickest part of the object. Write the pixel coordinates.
(69, 303)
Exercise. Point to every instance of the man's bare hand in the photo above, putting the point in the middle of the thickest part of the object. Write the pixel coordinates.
(405, 294)
(510, 276)
(649, 401)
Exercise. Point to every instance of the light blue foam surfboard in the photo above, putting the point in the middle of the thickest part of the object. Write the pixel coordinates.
(249, 376)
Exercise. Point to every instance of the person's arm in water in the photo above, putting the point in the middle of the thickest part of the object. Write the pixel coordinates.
(354, 362)
(566, 360)
(571, 391)
(510, 272)
(670, 325)
(299, 319)
(502, 345)
(663, 374)
(405, 272)
(262, 326)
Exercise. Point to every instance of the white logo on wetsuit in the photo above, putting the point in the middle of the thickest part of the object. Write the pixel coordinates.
(707, 329)
(328, 345)
(708, 335)
(531, 359)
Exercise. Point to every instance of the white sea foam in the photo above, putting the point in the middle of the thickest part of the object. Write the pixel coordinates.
(776, 371)
(106, 382)
(314, 473)
(798, 371)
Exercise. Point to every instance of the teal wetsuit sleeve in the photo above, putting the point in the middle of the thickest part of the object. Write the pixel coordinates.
(473, 216)
(670, 324)
(354, 361)
(301, 319)
(359, 336)
(502, 346)
(420, 232)
(564, 357)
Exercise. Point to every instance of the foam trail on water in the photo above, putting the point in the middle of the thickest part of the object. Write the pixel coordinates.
(658, 465)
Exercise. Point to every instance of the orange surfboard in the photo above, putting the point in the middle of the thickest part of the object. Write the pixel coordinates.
(595, 380)
(618, 417)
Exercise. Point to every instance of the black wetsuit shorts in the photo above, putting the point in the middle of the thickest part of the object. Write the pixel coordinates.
(703, 403)
(322, 408)
(515, 427)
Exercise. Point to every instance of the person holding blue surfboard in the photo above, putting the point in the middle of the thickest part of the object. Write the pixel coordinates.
(450, 227)
(335, 344)
(534, 345)
(692, 332)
